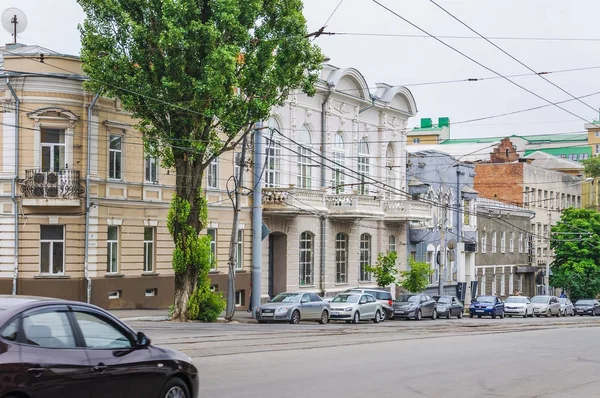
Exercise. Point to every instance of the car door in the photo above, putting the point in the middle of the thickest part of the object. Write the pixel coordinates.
(120, 366)
(372, 303)
(317, 305)
(597, 306)
(54, 361)
(364, 307)
(426, 306)
(11, 367)
(306, 309)
(499, 306)
(456, 307)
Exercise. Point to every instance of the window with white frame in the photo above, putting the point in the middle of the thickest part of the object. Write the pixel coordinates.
(341, 258)
(112, 243)
(212, 174)
(365, 257)
(520, 242)
(494, 284)
(212, 232)
(304, 158)
(502, 279)
(433, 276)
(511, 283)
(149, 236)
(306, 259)
(53, 149)
(502, 242)
(483, 287)
(511, 243)
(494, 242)
(115, 157)
(52, 249)
(390, 172)
(339, 157)
(392, 243)
(273, 150)
(521, 282)
(151, 169)
(484, 241)
(363, 165)
(416, 140)
(240, 250)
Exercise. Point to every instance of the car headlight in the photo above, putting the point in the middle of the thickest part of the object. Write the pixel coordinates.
(282, 309)
(348, 309)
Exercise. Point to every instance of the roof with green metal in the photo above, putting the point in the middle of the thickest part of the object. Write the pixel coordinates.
(563, 151)
(532, 139)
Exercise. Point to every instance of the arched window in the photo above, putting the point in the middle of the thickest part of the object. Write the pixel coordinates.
(390, 172)
(363, 165)
(365, 257)
(273, 154)
(339, 157)
(341, 258)
(304, 159)
(306, 259)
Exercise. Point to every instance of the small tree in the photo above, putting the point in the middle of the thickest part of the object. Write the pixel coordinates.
(592, 167)
(385, 271)
(416, 279)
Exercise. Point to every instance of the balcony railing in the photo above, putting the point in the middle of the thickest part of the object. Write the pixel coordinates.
(406, 210)
(39, 187)
(354, 205)
(293, 200)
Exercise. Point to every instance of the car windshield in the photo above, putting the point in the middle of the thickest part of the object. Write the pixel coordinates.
(286, 298)
(407, 298)
(486, 299)
(540, 299)
(585, 302)
(513, 299)
(562, 300)
(346, 298)
(443, 299)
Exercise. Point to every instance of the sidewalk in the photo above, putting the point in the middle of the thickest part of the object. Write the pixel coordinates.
(158, 315)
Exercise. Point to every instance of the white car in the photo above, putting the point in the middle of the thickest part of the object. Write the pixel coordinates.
(356, 307)
(545, 305)
(518, 306)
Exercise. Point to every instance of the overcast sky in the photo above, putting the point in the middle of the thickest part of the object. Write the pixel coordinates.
(412, 60)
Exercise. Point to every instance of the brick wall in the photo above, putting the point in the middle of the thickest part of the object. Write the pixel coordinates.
(502, 182)
(505, 152)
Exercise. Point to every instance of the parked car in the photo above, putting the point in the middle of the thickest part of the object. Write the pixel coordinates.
(566, 306)
(415, 306)
(356, 307)
(587, 307)
(518, 306)
(294, 307)
(383, 296)
(487, 306)
(449, 306)
(58, 348)
(545, 305)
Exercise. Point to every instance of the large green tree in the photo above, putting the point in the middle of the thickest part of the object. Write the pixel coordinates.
(576, 244)
(385, 270)
(415, 280)
(197, 74)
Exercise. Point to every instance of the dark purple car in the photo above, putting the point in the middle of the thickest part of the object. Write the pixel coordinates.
(55, 348)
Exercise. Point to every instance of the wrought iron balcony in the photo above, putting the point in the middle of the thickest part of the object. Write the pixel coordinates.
(52, 188)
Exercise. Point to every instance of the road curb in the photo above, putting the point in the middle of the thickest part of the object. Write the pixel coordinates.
(159, 318)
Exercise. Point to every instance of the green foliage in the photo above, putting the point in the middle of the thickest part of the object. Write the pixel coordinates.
(592, 167)
(385, 270)
(576, 256)
(416, 279)
(204, 305)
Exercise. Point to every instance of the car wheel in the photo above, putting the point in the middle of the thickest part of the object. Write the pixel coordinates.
(479, 316)
(537, 315)
(558, 314)
(448, 316)
(377, 318)
(324, 318)
(434, 314)
(548, 314)
(502, 315)
(460, 315)
(593, 312)
(348, 321)
(175, 388)
(510, 316)
(493, 315)
(470, 315)
(356, 318)
(295, 317)
(418, 315)
(525, 316)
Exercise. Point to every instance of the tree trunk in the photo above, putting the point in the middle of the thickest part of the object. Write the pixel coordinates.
(188, 187)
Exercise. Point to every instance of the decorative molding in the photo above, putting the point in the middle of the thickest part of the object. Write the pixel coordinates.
(53, 220)
(53, 113)
(150, 223)
(116, 125)
(114, 222)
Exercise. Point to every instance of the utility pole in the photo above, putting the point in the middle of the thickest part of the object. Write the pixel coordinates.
(442, 252)
(548, 252)
(257, 219)
(233, 243)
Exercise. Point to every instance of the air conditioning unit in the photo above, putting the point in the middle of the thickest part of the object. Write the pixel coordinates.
(52, 178)
(38, 178)
(52, 192)
(38, 192)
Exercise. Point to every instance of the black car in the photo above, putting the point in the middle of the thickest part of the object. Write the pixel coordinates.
(449, 306)
(587, 307)
(416, 306)
(56, 348)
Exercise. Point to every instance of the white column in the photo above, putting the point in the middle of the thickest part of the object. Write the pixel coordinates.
(37, 143)
(69, 146)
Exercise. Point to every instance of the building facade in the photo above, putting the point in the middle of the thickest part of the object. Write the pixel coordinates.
(334, 193)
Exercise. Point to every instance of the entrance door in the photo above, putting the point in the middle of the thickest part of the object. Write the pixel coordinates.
(277, 263)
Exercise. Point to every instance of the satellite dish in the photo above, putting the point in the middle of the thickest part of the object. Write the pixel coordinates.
(14, 21)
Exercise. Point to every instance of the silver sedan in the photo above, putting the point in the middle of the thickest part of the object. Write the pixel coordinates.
(293, 307)
(356, 307)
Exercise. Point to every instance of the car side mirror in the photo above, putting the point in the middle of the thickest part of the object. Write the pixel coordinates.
(362, 302)
(142, 340)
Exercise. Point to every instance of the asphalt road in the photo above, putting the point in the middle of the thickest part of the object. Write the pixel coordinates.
(557, 357)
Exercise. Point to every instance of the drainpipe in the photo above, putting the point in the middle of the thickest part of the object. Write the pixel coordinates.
(324, 181)
(87, 200)
(13, 194)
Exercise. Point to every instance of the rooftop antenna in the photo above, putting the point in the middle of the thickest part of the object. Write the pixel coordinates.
(14, 21)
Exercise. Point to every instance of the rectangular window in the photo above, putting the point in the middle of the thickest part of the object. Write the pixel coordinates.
(416, 140)
(212, 174)
(240, 298)
(52, 252)
(149, 233)
(365, 257)
(511, 243)
(392, 243)
(483, 287)
(53, 149)
(212, 232)
(545, 203)
(112, 242)
(521, 282)
(494, 241)
(466, 212)
(484, 241)
(502, 279)
(115, 160)
(433, 277)
(502, 242)
(341, 258)
(240, 250)
(151, 170)
(597, 147)
(273, 172)
(511, 283)
(306, 259)
(494, 284)
(520, 242)
(539, 198)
